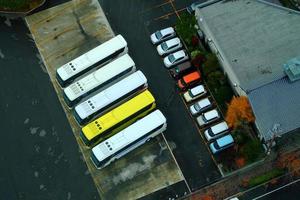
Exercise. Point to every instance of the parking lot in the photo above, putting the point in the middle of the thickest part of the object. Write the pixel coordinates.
(191, 155)
(182, 134)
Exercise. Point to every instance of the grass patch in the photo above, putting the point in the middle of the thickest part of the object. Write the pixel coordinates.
(265, 177)
(19, 5)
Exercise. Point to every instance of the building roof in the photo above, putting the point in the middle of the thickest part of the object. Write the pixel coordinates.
(276, 107)
(256, 38)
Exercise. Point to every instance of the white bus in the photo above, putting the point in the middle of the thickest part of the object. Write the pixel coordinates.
(128, 139)
(97, 56)
(107, 74)
(110, 97)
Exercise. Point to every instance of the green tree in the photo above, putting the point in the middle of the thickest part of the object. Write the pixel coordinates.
(185, 27)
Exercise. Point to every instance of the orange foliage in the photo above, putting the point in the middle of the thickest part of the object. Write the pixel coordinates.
(240, 162)
(239, 109)
(290, 162)
(207, 197)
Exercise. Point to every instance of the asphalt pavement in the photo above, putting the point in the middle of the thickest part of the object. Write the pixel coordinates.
(136, 20)
(39, 159)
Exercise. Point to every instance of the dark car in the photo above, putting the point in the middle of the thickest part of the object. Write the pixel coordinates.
(181, 69)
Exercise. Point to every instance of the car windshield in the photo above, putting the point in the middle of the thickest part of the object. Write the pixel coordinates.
(197, 107)
(216, 145)
(172, 58)
(210, 132)
(204, 119)
(158, 35)
(164, 46)
(190, 93)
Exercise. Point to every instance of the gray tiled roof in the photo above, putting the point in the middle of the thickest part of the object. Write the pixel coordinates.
(276, 104)
(256, 38)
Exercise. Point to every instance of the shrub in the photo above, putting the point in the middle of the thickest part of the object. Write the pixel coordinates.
(241, 134)
(198, 58)
(252, 150)
(185, 27)
(265, 177)
(211, 64)
(18, 5)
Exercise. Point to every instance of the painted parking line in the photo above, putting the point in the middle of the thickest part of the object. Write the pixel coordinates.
(187, 185)
(169, 14)
(199, 131)
(156, 6)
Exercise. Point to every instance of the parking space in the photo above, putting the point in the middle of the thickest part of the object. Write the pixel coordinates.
(182, 134)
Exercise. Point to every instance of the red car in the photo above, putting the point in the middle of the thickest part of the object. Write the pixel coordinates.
(189, 80)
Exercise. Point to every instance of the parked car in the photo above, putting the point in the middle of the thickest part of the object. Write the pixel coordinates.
(194, 93)
(181, 69)
(189, 80)
(200, 106)
(162, 35)
(221, 144)
(169, 46)
(208, 117)
(175, 58)
(216, 131)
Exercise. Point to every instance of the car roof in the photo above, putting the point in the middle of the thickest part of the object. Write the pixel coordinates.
(167, 30)
(180, 53)
(197, 90)
(225, 140)
(220, 126)
(204, 102)
(191, 76)
(175, 40)
(211, 114)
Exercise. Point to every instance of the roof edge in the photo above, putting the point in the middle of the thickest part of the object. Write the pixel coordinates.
(279, 7)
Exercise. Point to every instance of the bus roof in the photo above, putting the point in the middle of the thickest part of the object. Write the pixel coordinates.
(129, 135)
(110, 94)
(98, 77)
(119, 113)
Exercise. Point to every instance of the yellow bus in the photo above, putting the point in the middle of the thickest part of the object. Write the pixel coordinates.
(118, 118)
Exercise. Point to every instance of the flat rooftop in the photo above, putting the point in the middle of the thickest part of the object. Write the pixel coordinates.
(256, 38)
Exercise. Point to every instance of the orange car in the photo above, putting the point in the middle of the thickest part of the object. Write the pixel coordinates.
(188, 80)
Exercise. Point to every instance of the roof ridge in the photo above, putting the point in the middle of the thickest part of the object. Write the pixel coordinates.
(278, 6)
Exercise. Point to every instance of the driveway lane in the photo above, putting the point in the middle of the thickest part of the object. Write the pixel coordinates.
(131, 19)
(40, 159)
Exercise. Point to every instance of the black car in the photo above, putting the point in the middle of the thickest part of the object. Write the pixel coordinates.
(181, 69)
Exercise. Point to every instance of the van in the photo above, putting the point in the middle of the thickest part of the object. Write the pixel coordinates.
(208, 117)
(181, 69)
(216, 131)
(189, 80)
(194, 93)
(221, 144)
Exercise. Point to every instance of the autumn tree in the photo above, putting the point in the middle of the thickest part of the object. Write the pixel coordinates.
(291, 162)
(239, 110)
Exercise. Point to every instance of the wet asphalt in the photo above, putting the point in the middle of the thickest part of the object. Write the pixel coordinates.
(136, 20)
(39, 159)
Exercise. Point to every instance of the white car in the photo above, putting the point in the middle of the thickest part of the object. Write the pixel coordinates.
(200, 106)
(162, 35)
(216, 131)
(169, 46)
(208, 117)
(194, 93)
(175, 58)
